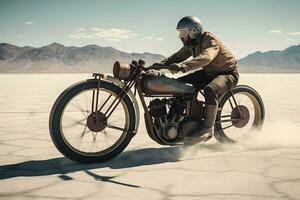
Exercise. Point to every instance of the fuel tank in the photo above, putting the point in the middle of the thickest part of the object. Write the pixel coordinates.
(155, 83)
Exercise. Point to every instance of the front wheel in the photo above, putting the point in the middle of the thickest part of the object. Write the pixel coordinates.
(76, 132)
(238, 116)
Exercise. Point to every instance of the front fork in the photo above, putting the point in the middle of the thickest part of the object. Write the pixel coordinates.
(95, 102)
(95, 99)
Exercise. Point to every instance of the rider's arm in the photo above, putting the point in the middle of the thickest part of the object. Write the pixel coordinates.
(205, 57)
(177, 57)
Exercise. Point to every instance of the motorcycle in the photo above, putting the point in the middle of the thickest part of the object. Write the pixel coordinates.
(94, 120)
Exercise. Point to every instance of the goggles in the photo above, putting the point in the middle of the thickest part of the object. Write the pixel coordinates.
(183, 32)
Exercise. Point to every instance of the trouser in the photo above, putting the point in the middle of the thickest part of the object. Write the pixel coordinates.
(212, 85)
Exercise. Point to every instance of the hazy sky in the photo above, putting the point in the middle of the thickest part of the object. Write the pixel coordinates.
(149, 25)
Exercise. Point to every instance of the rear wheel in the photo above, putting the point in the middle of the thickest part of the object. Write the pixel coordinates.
(79, 135)
(239, 116)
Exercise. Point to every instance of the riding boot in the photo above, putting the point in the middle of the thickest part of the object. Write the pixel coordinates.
(206, 130)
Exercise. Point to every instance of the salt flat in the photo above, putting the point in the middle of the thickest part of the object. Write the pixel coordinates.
(264, 166)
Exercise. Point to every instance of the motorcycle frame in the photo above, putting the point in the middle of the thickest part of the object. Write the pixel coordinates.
(135, 80)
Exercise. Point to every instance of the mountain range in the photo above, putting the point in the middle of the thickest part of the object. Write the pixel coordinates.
(58, 58)
(275, 61)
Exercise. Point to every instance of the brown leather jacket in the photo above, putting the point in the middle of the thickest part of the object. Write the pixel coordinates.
(208, 53)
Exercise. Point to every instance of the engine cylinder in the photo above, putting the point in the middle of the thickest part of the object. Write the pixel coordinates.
(157, 108)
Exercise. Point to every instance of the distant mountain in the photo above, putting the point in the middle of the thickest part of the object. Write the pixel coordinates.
(8, 51)
(287, 60)
(93, 58)
(59, 58)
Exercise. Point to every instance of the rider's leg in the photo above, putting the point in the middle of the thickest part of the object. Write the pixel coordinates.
(197, 78)
(218, 85)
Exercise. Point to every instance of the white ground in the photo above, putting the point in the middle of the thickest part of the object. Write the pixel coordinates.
(265, 166)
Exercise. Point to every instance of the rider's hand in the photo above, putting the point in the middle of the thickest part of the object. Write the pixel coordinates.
(156, 65)
(176, 67)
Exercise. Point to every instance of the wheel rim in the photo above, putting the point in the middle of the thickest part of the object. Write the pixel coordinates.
(238, 127)
(84, 139)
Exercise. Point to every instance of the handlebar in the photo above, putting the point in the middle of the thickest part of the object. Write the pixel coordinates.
(155, 67)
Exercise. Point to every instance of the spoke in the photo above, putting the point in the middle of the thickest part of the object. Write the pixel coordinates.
(105, 133)
(71, 118)
(228, 120)
(94, 136)
(83, 132)
(111, 122)
(227, 126)
(115, 127)
(225, 116)
(106, 137)
(76, 123)
(83, 111)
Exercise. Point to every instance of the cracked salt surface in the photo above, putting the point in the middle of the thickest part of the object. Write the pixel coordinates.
(264, 165)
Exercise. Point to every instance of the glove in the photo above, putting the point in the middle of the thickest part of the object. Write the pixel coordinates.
(156, 66)
(177, 67)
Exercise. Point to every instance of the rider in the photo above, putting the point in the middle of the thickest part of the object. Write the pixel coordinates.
(216, 69)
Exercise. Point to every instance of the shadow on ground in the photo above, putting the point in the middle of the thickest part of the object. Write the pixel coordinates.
(61, 166)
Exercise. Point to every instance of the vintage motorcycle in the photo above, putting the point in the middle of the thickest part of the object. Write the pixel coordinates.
(94, 120)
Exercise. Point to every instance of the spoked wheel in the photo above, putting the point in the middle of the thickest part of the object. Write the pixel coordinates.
(240, 115)
(89, 133)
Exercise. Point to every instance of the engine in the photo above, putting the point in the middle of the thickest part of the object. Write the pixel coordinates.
(167, 114)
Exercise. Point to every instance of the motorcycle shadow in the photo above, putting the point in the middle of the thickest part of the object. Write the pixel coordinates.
(62, 166)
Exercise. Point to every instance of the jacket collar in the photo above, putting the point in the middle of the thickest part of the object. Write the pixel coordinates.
(198, 40)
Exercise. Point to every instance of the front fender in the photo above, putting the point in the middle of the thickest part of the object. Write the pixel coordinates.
(130, 94)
